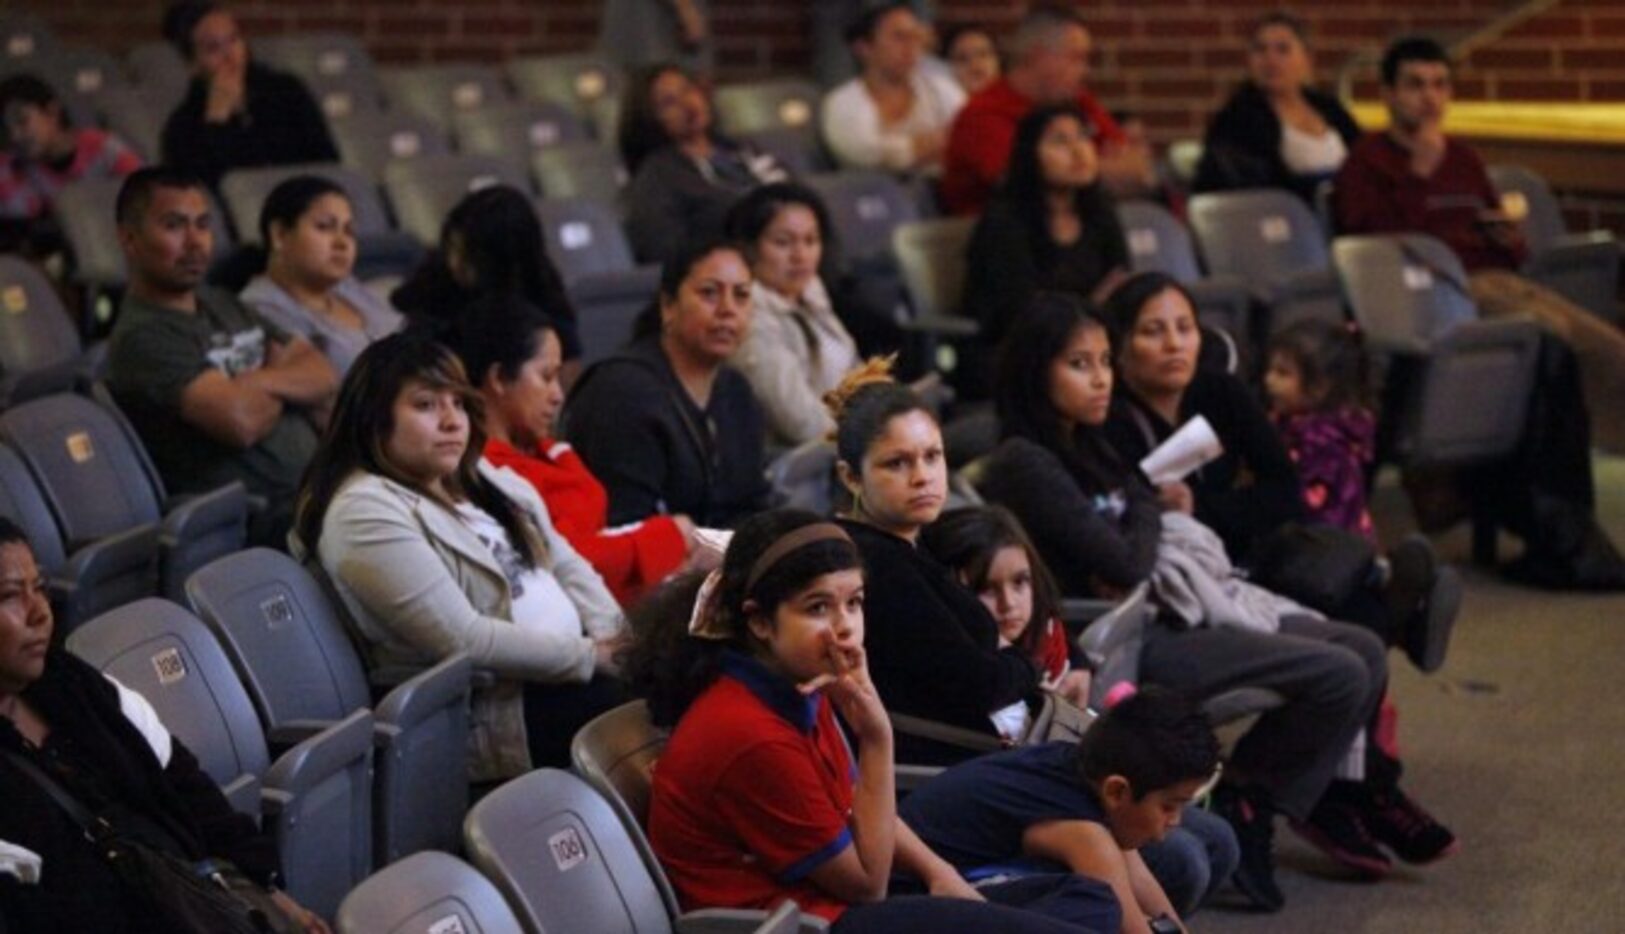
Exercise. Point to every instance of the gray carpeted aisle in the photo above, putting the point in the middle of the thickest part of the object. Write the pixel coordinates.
(1518, 744)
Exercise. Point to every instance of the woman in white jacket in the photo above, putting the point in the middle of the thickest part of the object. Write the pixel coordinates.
(434, 551)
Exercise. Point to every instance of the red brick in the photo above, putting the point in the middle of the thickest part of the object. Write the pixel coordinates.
(1177, 87)
(506, 25)
(1549, 26)
(1609, 59)
(1604, 89)
(1607, 27)
(1522, 59)
(1539, 89)
(1155, 58)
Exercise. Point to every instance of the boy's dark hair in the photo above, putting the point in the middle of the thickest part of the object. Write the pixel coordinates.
(31, 90)
(1288, 21)
(1330, 361)
(1154, 738)
(136, 192)
(863, 26)
(1410, 49)
(12, 534)
(179, 21)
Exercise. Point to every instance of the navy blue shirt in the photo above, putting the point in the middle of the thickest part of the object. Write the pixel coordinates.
(975, 813)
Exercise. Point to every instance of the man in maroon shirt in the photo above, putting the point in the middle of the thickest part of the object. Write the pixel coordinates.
(1050, 50)
(1413, 178)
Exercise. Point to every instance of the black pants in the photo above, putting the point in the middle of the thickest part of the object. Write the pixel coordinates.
(1331, 674)
(1050, 904)
(554, 712)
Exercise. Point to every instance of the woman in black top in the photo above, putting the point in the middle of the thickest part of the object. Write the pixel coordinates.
(933, 647)
(1051, 227)
(1276, 131)
(105, 747)
(685, 174)
(665, 424)
(237, 113)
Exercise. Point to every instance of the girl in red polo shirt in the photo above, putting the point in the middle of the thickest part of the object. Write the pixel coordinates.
(756, 798)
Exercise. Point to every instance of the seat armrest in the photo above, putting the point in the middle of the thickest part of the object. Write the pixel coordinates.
(244, 795)
(944, 733)
(942, 326)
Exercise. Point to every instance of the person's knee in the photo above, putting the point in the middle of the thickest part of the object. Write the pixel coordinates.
(1182, 866)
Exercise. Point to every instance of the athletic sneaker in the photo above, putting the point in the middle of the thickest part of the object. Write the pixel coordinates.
(1336, 827)
(1250, 814)
(1401, 825)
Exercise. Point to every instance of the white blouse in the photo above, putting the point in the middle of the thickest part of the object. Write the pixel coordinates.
(1309, 154)
(794, 353)
(854, 132)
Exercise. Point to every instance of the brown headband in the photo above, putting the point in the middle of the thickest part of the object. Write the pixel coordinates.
(806, 535)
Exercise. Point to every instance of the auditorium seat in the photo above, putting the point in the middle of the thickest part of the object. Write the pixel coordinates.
(1271, 241)
(426, 893)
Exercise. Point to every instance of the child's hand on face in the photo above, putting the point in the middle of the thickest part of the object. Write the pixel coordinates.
(850, 690)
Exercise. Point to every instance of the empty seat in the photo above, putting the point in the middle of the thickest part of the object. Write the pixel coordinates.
(161, 74)
(865, 208)
(39, 345)
(83, 78)
(931, 254)
(286, 639)
(369, 140)
(1272, 241)
(1469, 401)
(1158, 242)
(426, 893)
(423, 191)
(578, 170)
(436, 92)
(766, 105)
(514, 130)
(24, 39)
(328, 63)
(98, 482)
(1582, 267)
(577, 81)
(137, 115)
(804, 477)
(558, 852)
(797, 149)
(584, 237)
(92, 579)
(315, 798)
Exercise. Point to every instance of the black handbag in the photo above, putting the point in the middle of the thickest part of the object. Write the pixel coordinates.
(203, 897)
(1320, 566)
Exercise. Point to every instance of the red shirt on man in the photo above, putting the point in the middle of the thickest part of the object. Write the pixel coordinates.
(983, 133)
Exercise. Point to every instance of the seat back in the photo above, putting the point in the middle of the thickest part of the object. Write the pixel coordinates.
(796, 148)
(607, 306)
(424, 190)
(85, 464)
(1406, 290)
(1474, 396)
(368, 140)
(162, 76)
(584, 237)
(319, 808)
(578, 170)
(166, 655)
(1544, 226)
(1157, 241)
(37, 338)
(577, 81)
(865, 207)
(804, 476)
(426, 893)
(554, 846)
(25, 40)
(514, 130)
(22, 502)
(616, 752)
(436, 92)
(245, 191)
(82, 77)
(1262, 235)
(137, 114)
(931, 255)
(766, 105)
(284, 636)
(420, 793)
(328, 63)
(84, 212)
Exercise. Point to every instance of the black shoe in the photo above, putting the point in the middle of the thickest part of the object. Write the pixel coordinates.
(1250, 815)
(1401, 825)
(1336, 827)
(1424, 600)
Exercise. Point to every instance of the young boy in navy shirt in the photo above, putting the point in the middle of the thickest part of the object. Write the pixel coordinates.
(1087, 807)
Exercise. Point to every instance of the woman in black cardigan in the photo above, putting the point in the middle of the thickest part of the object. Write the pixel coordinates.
(105, 746)
(933, 647)
(1276, 131)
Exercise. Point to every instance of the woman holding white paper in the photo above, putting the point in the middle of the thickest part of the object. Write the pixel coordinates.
(1100, 528)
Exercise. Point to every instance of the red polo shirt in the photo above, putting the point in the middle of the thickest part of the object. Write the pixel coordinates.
(981, 138)
(753, 792)
(631, 558)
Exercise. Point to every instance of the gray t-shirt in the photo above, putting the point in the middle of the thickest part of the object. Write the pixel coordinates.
(155, 352)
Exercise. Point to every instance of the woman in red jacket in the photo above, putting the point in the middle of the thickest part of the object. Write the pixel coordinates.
(513, 356)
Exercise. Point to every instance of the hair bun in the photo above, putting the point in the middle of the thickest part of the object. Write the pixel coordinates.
(875, 371)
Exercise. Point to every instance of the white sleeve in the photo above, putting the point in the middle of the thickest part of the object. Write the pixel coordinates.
(852, 130)
(141, 716)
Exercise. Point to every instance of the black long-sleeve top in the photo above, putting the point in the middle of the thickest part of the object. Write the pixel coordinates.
(1242, 148)
(933, 647)
(1249, 491)
(1087, 533)
(104, 761)
(656, 452)
(279, 124)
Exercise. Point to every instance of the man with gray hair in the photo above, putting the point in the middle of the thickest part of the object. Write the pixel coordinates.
(1050, 55)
